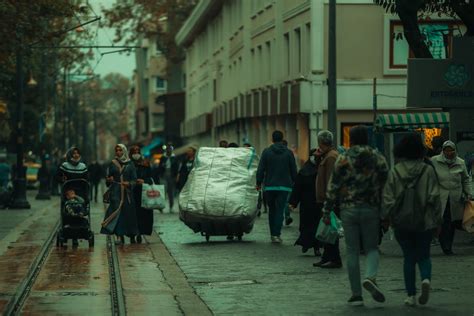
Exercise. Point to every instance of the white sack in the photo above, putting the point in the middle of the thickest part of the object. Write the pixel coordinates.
(222, 183)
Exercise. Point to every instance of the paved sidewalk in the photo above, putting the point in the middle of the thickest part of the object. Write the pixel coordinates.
(255, 277)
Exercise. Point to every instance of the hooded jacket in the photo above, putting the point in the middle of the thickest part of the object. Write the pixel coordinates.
(277, 168)
(428, 190)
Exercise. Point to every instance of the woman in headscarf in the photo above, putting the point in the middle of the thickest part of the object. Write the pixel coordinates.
(455, 189)
(303, 194)
(72, 169)
(120, 218)
(144, 216)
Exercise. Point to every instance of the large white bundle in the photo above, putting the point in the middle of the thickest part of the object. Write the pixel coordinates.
(222, 183)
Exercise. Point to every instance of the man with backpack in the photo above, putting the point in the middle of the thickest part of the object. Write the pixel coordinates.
(411, 201)
(356, 185)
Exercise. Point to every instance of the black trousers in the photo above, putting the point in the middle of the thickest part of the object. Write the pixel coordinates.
(448, 228)
(331, 252)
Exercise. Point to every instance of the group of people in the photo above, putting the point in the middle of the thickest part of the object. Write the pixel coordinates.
(420, 198)
(125, 175)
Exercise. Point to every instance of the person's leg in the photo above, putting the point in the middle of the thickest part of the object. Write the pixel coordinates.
(270, 197)
(169, 193)
(407, 243)
(281, 198)
(351, 227)
(423, 247)
(446, 236)
(370, 221)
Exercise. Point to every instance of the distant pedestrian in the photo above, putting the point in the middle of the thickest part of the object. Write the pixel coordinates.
(303, 195)
(186, 167)
(120, 218)
(247, 145)
(455, 190)
(277, 172)
(356, 186)
(96, 175)
(168, 169)
(287, 212)
(144, 216)
(331, 257)
(411, 200)
(5, 171)
(233, 145)
(223, 144)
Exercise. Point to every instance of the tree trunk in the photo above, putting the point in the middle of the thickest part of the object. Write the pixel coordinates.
(407, 10)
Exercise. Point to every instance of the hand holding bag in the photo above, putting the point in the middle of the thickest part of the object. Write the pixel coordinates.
(153, 196)
(328, 233)
(468, 219)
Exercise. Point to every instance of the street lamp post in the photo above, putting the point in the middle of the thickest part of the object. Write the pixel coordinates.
(19, 184)
(332, 83)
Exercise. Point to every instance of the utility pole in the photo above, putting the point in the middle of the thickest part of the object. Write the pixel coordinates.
(19, 192)
(332, 84)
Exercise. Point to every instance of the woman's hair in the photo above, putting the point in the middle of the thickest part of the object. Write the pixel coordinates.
(410, 147)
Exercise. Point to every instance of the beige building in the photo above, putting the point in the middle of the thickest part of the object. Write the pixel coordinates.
(259, 65)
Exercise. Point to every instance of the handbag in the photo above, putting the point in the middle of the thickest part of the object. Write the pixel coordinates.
(468, 218)
(329, 233)
(153, 196)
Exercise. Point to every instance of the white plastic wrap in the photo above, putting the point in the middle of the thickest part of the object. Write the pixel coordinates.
(222, 183)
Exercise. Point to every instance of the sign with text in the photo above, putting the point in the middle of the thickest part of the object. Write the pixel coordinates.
(446, 83)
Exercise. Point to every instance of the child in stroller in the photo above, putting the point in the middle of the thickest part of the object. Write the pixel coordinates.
(74, 205)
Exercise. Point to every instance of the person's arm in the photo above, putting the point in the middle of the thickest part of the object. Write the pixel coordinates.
(295, 197)
(293, 171)
(433, 197)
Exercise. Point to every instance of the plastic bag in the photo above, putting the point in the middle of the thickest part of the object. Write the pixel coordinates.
(329, 233)
(153, 196)
(468, 219)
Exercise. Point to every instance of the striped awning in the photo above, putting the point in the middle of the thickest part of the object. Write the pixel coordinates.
(412, 121)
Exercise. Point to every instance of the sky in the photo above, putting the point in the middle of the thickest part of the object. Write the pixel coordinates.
(117, 62)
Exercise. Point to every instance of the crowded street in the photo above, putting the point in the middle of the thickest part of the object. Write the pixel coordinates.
(168, 274)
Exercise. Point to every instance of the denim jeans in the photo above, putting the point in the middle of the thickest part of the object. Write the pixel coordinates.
(361, 224)
(416, 249)
(276, 201)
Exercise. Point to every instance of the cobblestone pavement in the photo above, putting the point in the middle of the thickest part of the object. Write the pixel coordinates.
(255, 277)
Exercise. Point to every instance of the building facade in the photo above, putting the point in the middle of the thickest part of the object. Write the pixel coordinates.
(256, 66)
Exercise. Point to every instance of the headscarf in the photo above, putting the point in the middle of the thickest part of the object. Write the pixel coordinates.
(124, 158)
(69, 157)
(449, 144)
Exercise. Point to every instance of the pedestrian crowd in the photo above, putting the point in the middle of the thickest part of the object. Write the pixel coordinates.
(420, 198)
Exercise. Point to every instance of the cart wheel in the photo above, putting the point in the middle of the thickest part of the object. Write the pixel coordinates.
(239, 237)
(207, 237)
(91, 241)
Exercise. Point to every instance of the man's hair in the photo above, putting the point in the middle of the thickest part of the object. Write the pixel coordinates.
(223, 143)
(359, 135)
(325, 137)
(410, 147)
(277, 136)
(233, 145)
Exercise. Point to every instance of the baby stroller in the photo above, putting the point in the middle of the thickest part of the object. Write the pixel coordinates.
(75, 222)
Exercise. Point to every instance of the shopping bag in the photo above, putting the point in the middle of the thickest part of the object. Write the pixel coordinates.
(468, 219)
(328, 233)
(153, 196)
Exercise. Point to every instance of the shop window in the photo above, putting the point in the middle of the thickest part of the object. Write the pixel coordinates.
(375, 139)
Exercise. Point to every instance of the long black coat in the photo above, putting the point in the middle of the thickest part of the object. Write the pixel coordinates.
(144, 216)
(303, 194)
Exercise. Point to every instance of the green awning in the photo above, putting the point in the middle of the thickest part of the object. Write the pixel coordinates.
(410, 121)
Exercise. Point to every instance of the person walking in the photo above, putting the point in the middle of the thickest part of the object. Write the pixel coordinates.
(5, 171)
(168, 170)
(416, 219)
(356, 186)
(303, 195)
(71, 169)
(120, 218)
(455, 190)
(144, 216)
(97, 174)
(331, 257)
(277, 172)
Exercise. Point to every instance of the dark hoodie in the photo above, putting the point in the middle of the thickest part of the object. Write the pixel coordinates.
(277, 168)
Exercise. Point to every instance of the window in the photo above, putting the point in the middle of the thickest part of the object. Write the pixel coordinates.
(268, 70)
(160, 84)
(298, 51)
(286, 53)
(214, 90)
(259, 66)
(438, 36)
(308, 48)
(158, 121)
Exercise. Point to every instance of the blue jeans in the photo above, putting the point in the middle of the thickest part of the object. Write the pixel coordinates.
(361, 224)
(416, 250)
(276, 201)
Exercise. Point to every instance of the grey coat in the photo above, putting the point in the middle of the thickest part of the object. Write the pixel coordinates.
(428, 190)
(455, 184)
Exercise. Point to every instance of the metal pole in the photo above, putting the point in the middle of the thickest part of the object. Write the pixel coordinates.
(65, 143)
(19, 193)
(332, 88)
(374, 109)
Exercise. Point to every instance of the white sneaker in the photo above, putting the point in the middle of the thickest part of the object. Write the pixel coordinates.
(276, 239)
(425, 292)
(410, 301)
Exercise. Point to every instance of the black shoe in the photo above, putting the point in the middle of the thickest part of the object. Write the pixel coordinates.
(132, 240)
(304, 249)
(120, 241)
(320, 263)
(331, 265)
(356, 301)
(139, 239)
(75, 243)
(371, 286)
(288, 221)
(448, 252)
(230, 237)
(317, 253)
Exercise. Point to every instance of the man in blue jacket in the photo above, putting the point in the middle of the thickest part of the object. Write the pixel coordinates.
(277, 172)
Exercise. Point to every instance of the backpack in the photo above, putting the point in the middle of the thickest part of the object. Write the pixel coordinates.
(409, 211)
